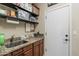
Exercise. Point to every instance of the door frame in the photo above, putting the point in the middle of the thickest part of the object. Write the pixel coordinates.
(57, 6)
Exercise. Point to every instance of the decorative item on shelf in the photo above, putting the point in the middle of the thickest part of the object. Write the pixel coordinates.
(32, 29)
(3, 12)
(38, 34)
(14, 6)
(35, 9)
(23, 15)
(8, 13)
(2, 41)
(28, 7)
(22, 5)
(19, 13)
(27, 27)
(27, 15)
(33, 19)
(13, 13)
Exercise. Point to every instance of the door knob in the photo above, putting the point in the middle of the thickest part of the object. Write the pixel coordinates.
(66, 35)
(66, 39)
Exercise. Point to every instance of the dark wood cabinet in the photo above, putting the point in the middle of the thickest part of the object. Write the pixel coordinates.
(18, 52)
(28, 53)
(28, 50)
(34, 49)
(41, 49)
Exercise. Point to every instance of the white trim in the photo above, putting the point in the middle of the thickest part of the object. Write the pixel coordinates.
(45, 19)
(57, 6)
(70, 29)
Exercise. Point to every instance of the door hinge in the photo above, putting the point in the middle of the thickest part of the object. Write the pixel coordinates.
(46, 33)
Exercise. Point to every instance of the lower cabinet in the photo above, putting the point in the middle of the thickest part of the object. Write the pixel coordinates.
(28, 50)
(41, 49)
(18, 52)
(34, 49)
(28, 53)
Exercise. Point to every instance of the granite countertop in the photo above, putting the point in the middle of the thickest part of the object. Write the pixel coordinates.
(8, 50)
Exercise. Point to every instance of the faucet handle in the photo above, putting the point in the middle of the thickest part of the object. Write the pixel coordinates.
(12, 37)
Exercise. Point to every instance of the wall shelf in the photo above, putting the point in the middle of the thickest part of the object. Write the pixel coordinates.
(11, 5)
(16, 19)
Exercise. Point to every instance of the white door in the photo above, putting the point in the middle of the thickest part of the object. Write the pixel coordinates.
(57, 27)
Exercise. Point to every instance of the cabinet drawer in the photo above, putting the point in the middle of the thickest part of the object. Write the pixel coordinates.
(27, 47)
(19, 51)
(36, 43)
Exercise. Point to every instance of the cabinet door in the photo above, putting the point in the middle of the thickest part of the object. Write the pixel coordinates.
(41, 49)
(36, 50)
(27, 48)
(18, 52)
(28, 53)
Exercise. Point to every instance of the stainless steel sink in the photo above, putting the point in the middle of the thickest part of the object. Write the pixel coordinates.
(13, 44)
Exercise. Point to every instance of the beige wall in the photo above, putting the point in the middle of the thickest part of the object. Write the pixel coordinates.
(41, 18)
(75, 29)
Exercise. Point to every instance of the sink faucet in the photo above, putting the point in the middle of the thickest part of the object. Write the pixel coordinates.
(12, 37)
